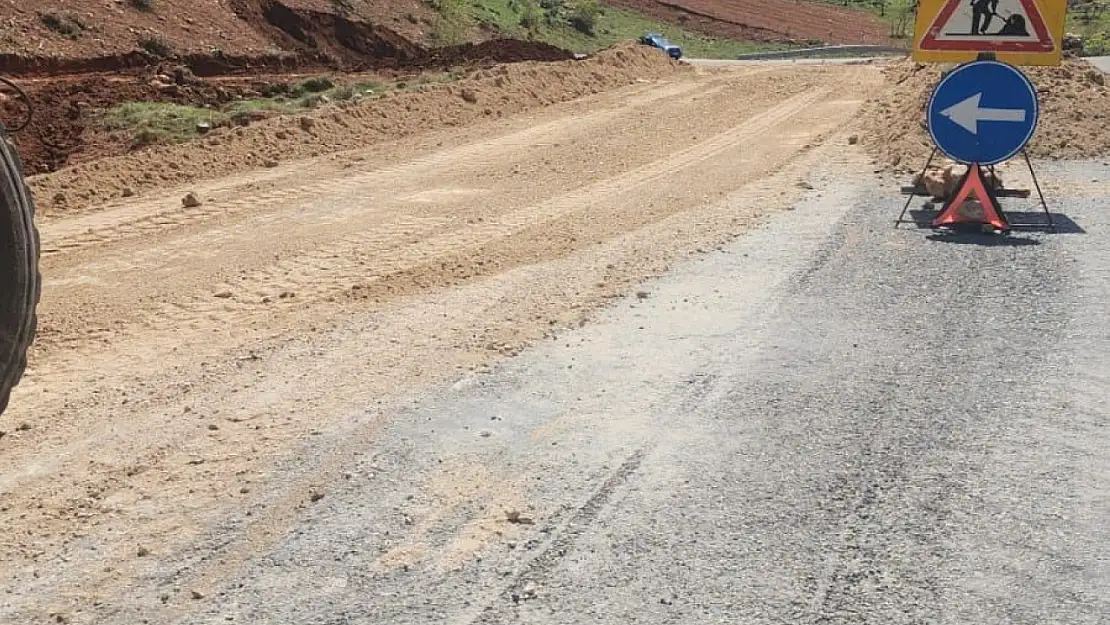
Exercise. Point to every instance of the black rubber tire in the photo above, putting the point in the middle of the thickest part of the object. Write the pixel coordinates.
(20, 282)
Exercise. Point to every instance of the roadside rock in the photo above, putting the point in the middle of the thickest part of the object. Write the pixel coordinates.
(190, 200)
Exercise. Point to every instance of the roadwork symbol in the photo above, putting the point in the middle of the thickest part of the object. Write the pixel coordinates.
(1018, 31)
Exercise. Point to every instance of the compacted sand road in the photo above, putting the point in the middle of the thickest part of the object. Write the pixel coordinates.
(187, 355)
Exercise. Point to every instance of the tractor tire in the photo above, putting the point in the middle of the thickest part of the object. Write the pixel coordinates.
(20, 282)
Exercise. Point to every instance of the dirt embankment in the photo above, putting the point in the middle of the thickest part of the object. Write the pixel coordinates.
(484, 93)
(65, 129)
(1074, 120)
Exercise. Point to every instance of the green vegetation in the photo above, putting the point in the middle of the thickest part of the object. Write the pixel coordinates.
(149, 123)
(1090, 19)
(452, 22)
(586, 26)
(156, 46)
(64, 24)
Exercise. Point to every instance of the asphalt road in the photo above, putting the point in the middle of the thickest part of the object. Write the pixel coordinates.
(1101, 62)
(828, 421)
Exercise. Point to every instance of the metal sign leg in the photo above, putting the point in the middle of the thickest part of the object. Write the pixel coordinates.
(909, 200)
(1037, 185)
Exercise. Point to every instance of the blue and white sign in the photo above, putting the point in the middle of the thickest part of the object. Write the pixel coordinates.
(983, 112)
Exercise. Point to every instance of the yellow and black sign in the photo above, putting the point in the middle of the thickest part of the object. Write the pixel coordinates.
(1018, 32)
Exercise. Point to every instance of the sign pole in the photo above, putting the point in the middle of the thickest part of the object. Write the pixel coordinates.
(913, 193)
(1037, 185)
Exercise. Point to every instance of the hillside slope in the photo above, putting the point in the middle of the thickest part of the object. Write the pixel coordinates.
(769, 20)
(97, 35)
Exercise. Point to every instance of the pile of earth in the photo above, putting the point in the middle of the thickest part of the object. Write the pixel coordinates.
(63, 130)
(1074, 122)
(482, 94)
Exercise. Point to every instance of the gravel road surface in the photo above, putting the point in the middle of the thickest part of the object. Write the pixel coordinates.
(829, 421)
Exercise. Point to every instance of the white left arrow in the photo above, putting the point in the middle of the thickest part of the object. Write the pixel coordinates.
(968, 114)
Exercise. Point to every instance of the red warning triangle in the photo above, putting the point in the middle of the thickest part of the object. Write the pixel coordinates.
(988, 25)
(985, 211)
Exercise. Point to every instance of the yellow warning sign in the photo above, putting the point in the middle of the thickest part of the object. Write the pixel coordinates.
(1019, 32)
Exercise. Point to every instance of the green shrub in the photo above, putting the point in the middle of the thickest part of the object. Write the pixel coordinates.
(531, 15)
(583, 16)
(1097, 44)
(156, 46)
(68, 25)
(315, 85)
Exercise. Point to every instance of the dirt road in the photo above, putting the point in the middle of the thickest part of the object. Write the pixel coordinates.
(187, 355)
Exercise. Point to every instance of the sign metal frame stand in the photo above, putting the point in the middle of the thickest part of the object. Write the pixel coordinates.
(993, 194)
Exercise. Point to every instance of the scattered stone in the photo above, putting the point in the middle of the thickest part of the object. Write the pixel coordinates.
(213, 427)
(59, 198)
(23, 427)
(515, 517)
(642, 295)
(190, 200)
(270, 163)
(183, 75)
(203, 128)
(196, 595)
(804, 185)
(854, 139)
(143, 552)
(307, 123)
(314, 497)
(468, 95)
(128, 192)
(222, 294)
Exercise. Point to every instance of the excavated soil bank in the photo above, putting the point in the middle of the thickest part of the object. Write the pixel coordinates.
(1074, 121)
(63, 131)
(483, 94)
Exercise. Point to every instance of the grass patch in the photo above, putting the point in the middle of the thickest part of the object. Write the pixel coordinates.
(154, 122)
(453, 21)
(64, 24)
(149, 123)
(1090, 19)
(156, 46)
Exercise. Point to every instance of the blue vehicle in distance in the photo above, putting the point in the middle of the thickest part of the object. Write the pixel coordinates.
(657, 40)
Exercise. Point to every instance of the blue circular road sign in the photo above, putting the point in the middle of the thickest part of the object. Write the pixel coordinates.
(982, 112)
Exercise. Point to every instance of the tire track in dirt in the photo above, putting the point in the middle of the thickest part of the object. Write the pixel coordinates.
(119, 454)
(220, 566)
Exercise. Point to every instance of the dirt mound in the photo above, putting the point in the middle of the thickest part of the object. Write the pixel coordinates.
(1074, 102)
(483, 94)
(769, 20)
(494, 51)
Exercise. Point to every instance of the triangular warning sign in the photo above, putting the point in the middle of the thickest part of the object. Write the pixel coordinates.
(982, 210)
(988, 25)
